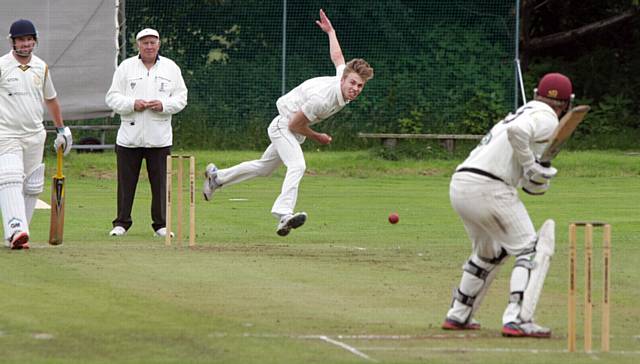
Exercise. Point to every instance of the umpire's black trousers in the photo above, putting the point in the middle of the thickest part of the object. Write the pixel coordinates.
(129, 164)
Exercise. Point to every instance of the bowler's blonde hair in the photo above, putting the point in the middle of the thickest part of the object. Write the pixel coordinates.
(359, 66)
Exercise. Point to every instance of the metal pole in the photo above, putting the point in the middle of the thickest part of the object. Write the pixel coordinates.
(519, 70)
(123, 31)
(121, 36)
(116, 42)
(284, 44)
(517, 57)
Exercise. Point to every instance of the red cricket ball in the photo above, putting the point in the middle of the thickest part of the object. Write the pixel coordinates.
(394, 218)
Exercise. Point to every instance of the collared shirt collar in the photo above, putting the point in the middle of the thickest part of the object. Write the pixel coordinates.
(341, 100)
(157, 57)
(544, 105)
(16, 63)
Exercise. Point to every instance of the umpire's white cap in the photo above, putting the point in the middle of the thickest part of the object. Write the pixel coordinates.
(146, 32)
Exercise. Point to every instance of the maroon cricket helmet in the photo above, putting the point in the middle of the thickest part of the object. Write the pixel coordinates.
(555, 86)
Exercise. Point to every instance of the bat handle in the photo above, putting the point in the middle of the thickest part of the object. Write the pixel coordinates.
(59, 162)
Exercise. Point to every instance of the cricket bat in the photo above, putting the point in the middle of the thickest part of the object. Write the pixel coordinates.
(57, 204)
(565, 128)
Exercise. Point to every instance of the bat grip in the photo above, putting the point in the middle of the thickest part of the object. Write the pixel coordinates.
(59, 162)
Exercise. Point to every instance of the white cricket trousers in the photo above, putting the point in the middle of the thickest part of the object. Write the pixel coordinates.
(493, 215)
(284, 149)
(495, 219)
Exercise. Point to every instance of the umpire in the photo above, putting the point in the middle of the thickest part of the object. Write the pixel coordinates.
(146, 91)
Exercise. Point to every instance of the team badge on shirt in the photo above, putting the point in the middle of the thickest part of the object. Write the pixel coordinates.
(486, 138)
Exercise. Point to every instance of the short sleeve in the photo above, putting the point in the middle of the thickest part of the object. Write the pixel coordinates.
(49, 91)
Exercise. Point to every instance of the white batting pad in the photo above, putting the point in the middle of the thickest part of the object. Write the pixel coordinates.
(544, 251)
(13, 213)
(33, 186)
(11, 198)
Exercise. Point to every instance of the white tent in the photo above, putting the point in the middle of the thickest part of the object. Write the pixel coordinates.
(77, 39)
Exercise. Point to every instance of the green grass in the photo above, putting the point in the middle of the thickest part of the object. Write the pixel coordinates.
(245, 295)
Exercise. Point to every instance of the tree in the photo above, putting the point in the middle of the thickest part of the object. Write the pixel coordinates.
(547, 24)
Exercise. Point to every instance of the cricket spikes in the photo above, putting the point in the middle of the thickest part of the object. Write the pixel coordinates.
(289, 222)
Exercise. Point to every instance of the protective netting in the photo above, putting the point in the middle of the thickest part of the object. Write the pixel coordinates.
(433, 60)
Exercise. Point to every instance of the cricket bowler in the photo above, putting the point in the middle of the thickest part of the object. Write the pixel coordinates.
(311, 102)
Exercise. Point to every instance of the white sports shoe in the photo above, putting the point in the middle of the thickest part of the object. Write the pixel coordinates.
(20, 240)
(117, 231)
(162, 232)
(210, 183)
(289, 222)
(525, 329)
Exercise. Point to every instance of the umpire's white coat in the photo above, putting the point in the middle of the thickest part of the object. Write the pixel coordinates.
(131, 81)
(318, 98)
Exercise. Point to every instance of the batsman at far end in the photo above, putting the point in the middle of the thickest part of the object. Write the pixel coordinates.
(483, 193)
(311, 102)
(25, 85)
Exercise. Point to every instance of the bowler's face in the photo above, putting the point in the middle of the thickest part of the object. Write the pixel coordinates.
(351, 86)
(149, 47)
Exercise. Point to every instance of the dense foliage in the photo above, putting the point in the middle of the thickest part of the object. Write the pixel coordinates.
(445, 67)
(429, 59)
(601, 63)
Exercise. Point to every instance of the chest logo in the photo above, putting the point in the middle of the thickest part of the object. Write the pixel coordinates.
(133, 85)
(486, 139)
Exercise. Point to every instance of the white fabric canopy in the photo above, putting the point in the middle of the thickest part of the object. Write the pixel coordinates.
(77, 40)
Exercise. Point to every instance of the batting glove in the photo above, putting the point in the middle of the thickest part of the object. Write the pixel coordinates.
(64, 140)
(537, 173)
(534, 188)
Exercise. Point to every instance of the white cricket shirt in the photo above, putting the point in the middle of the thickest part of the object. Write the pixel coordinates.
(318, 98)
(23, 89)
(518, 139)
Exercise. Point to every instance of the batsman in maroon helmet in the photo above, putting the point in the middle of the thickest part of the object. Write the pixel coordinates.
(483, 191)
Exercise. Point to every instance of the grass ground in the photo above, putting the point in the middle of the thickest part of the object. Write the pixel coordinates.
(348, 287)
